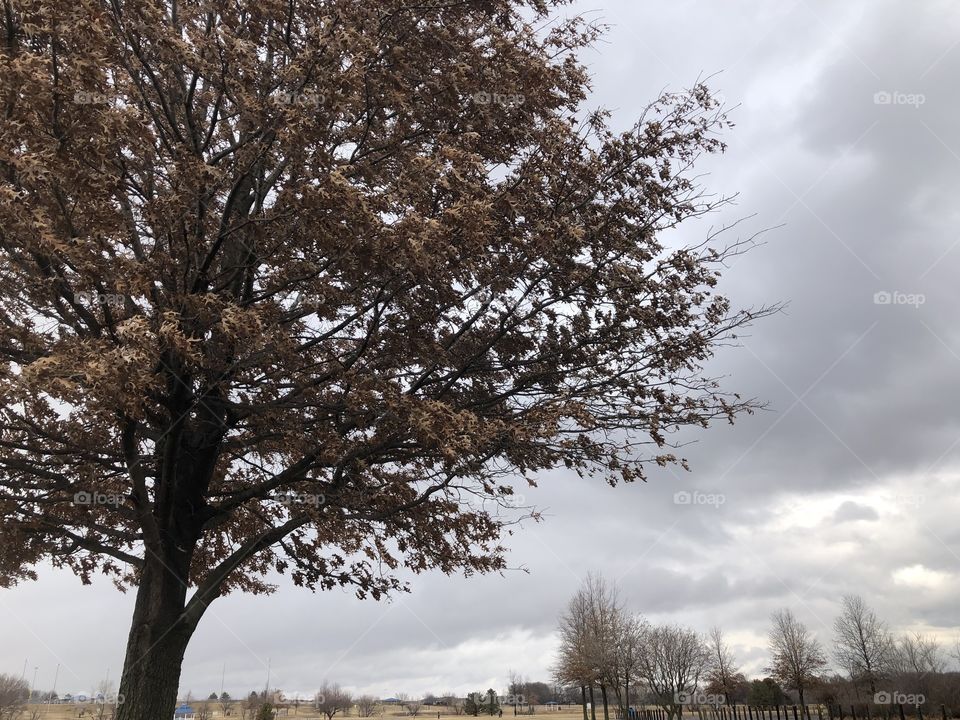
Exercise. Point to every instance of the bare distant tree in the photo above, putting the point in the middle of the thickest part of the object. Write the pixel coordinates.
(603, 609)
(622, 667)
(582, 641)
(796, 655)
(914, 659)
(331, 699)
(516, 690)
(367, 705)
(105, 698)
(14, 692)
(673, 662)
(204, 710)
(599, 645)
(457, 705)
(862, 643)
(410, 704)
(723, 670)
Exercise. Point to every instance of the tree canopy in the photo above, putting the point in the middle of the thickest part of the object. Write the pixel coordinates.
(305, 287)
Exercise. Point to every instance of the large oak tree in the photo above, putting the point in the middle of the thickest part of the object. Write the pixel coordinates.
(304, 286)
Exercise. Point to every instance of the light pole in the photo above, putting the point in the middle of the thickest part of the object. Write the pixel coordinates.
(56, 676)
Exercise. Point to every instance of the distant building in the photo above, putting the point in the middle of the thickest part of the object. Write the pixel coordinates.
(184, 712)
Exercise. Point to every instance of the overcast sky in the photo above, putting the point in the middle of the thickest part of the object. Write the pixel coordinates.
(846, 138)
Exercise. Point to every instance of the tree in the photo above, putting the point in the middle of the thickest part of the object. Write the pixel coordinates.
(723, 675)
(536, 692)
(266, 712)
(457, 705)
(412, 706)
(766, 693)
(862, 643)
(367, 705)
(796, 655)
(576, 660)
(331, 699)
(472, 704)
(914, 659)
(600, 644)
(105, 700)
(603, 611)
(14, 692)
(285, 288)
(516, 690)
(226, 703)
(492, 705)
(672, 663)
(251, 708)
(622, 668)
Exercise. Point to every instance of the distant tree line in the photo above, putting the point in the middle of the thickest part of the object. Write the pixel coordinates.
(613, 657)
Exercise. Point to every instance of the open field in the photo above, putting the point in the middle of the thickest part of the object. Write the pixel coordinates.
(72, 712)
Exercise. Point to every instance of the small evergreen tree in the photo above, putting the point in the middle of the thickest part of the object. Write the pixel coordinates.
(766, 692)
(492, 704)
(472, 704)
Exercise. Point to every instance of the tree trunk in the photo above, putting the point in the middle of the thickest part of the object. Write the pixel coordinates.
(156, 644)
(626, 697)
(593, 705)
(603, 694)
(583, 700)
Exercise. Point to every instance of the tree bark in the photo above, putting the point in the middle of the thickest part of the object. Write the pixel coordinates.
(603, 694)
(583, 700)
(156, 644)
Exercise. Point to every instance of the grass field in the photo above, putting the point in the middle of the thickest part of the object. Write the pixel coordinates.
(72, 712)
